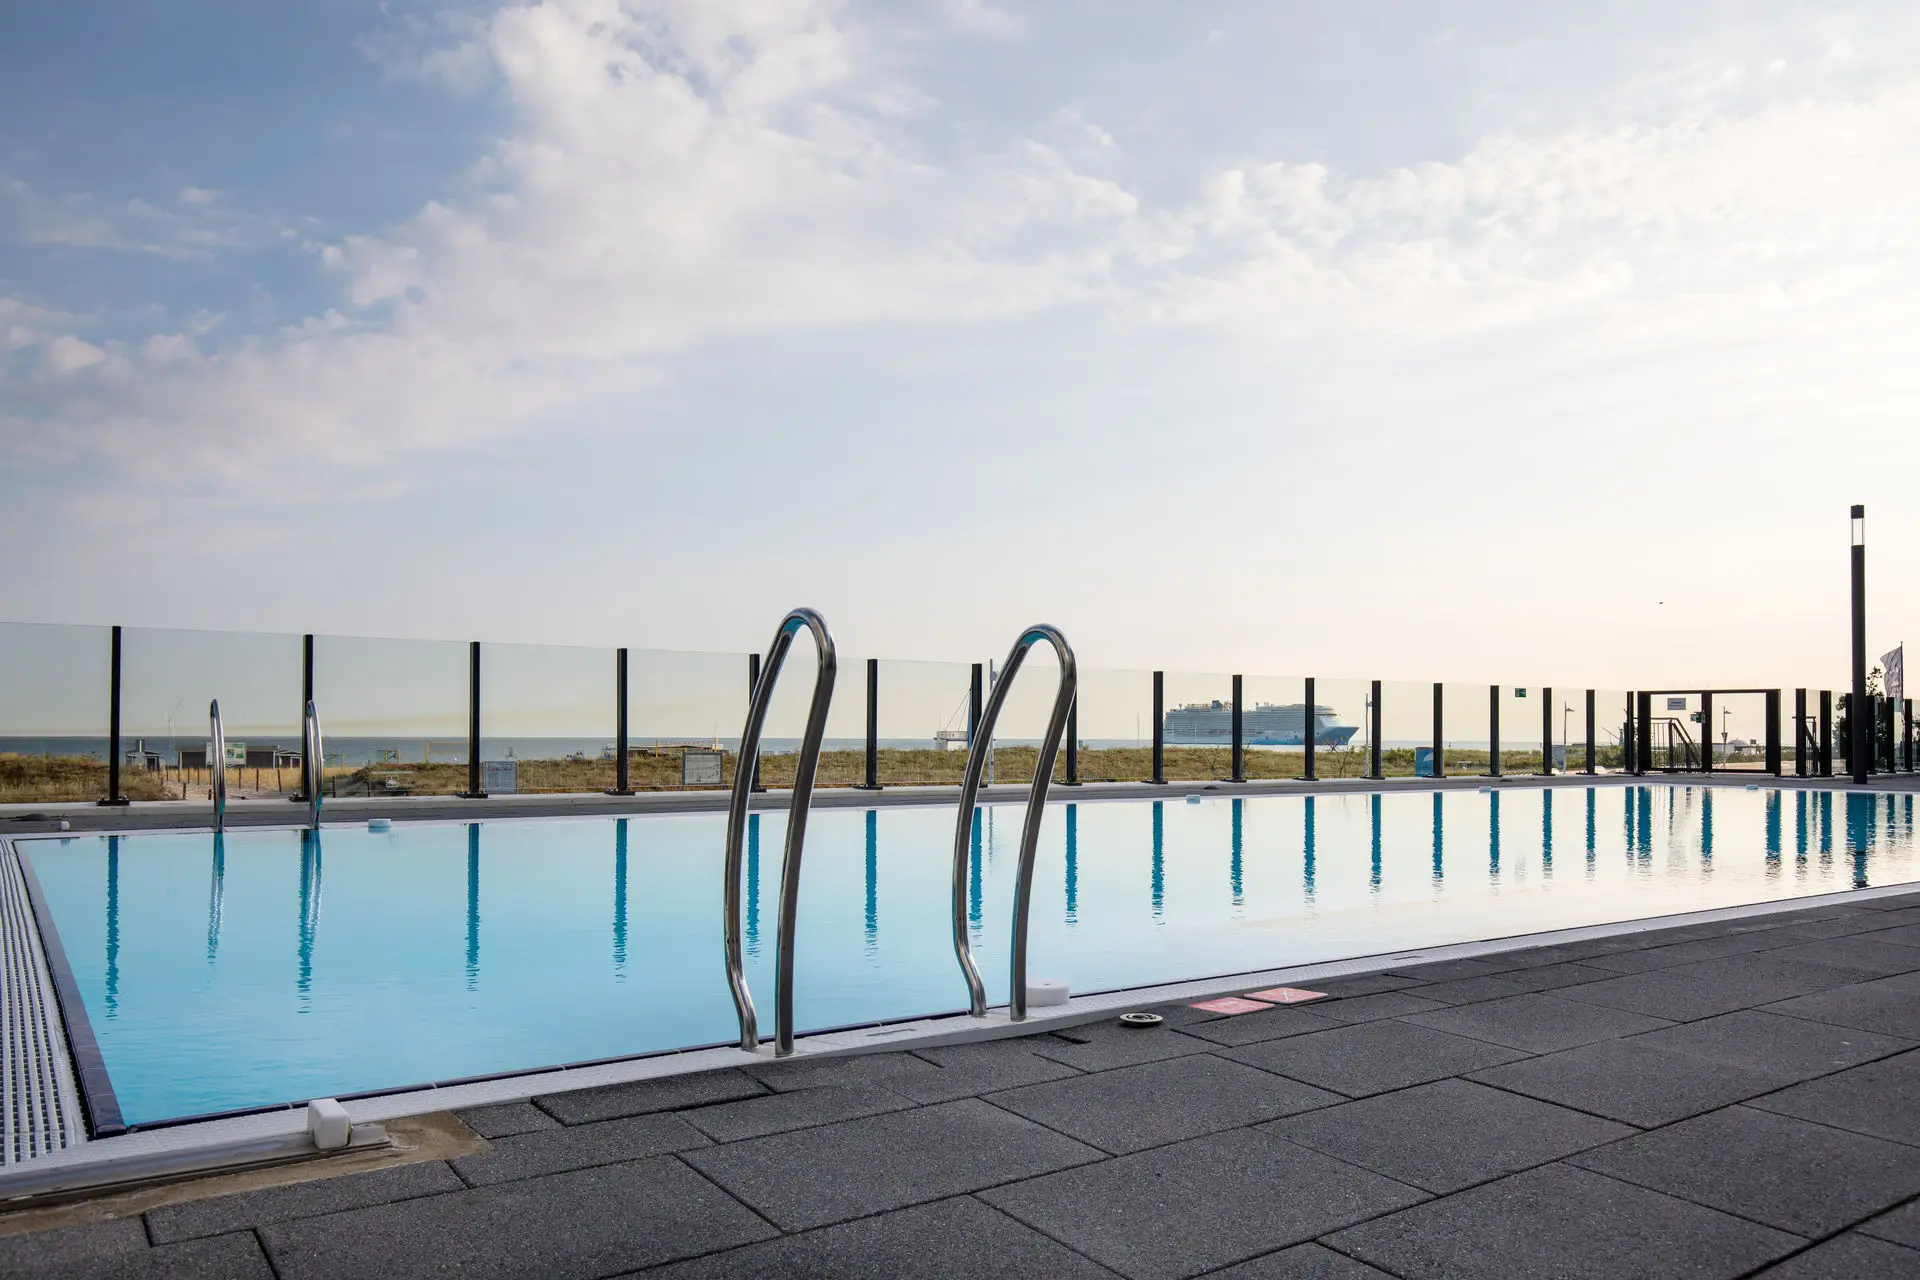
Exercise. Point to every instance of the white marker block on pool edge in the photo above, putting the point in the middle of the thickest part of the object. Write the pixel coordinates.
(1046, 991)
(327, 1122)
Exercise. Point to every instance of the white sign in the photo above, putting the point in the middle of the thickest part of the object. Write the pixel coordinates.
(499, 777)
(236, 753)
(700, 768)
(1893, 681)
(1676, 704)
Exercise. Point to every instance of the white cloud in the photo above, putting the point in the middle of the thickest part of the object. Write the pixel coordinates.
(196, 225)
(67, 354)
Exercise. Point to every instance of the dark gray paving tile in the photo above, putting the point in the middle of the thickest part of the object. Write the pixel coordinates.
(1890, 1006)
(229, 1257)
(1626, 1080)
(960, 1238)
(531, 1155)
(1372, 1057)
(506, 1119)
(1906, 935)
(1659, 993)
(1301, 1262)
(969, 1070)
(1101, 1046)
(1539, 957)
(302, 1200)
(1865, 957)
(1449, 970)
(816, 1176)
(590, 1222)
(1775, 975)
(1566, 1223)
(1387, 1004)
(1362, 984)
(1155, 1103)
(1447, 1135)
(1554, 976)
(1880, 1098)
(756, 1117)
(46, 1252)
(1849, 1257)
(1800, 1177)
(1902, 1225)
(1274, 1024)
(670, 1093)
(1470, 990)
(1537, 1023)
(859, 1068)
(1790, 1048)
(1675, 954)
(1198, 1205)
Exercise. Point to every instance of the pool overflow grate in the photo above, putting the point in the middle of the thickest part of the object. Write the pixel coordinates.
(39, 1107)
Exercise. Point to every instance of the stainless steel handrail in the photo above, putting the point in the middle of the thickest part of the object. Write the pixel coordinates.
(217, 764)
(314, 766)
(803, 774)
(1029, 831)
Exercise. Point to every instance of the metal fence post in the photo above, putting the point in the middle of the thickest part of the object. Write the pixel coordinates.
(1593, 765)
(974, 681)
(1239, 759)
(1906, 733)
(1073, 743)
(753, 686)
(113, 797)
(621, 782)
(873, 726)
(1159, 727)
(1311, 734)
(473, 791)
(1373, 732)
(1546, 732)
(1800, 733)
(308, 768)
(1493, 730)
(1643, 733)
(1706, 731)
(1439, 751)
(1773, 732)
(1826, 733)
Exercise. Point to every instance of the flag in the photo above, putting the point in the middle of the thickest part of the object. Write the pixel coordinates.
(1892, 680)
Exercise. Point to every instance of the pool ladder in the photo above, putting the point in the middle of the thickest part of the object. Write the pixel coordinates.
(744, 767)
(313, 762)
(217, 764)
(1029, 830)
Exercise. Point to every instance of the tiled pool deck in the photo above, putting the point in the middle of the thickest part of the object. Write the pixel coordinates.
(1724, 1099)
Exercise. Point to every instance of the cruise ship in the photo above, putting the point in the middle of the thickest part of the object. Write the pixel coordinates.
(1264, 725)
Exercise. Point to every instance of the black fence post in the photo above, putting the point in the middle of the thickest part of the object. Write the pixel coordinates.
(1643, 735)
(1773, 732)
(1706, 731)
(1439, 749)
(1546, 732)
(1906, 733)
(873, 726)
(753, 686)
(1493, 730)
(1826, 733)
(1373, 733)
(1593, 765)
(1310, 735)
(622, 785)
(308, 768)
(473, 791)
(1073, 743)
(113, 796)
(1239, 759)
(1800, 733)
(1159, 727)
(974, 683)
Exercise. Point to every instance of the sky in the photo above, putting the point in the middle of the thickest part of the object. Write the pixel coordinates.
(1482, 342)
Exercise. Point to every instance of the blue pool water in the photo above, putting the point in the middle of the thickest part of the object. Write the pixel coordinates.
(275, 966)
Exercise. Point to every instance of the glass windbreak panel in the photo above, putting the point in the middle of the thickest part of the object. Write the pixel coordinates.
(1521, 729)
(682, 709)
(1116, 725)
(547, 718)
(1612, 710)
(1198, 724)
(169, 679)
(54, 697)
(1406, 729)
(1343, 742)
(1466, 727)
(923, 722)
(843, 745)
(393, 714)
(1570, 727)
(1274, 726)
(1675, 725)
(1024, 717)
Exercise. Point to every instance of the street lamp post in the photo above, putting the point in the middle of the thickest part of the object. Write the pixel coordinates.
(1857, 704)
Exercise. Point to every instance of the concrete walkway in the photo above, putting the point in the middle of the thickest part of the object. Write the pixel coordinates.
(1729, 1099)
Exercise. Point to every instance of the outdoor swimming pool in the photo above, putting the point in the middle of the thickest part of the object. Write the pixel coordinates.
(271, 966)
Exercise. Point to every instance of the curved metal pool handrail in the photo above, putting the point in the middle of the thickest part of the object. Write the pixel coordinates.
(1029, 831)
(315, 763)
(803, 774)
(217, 764)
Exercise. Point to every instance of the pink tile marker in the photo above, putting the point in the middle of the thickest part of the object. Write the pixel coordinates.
(1231, 1004)
(1286, 995)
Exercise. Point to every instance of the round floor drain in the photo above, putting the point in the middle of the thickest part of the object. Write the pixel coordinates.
(1140, 1019)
